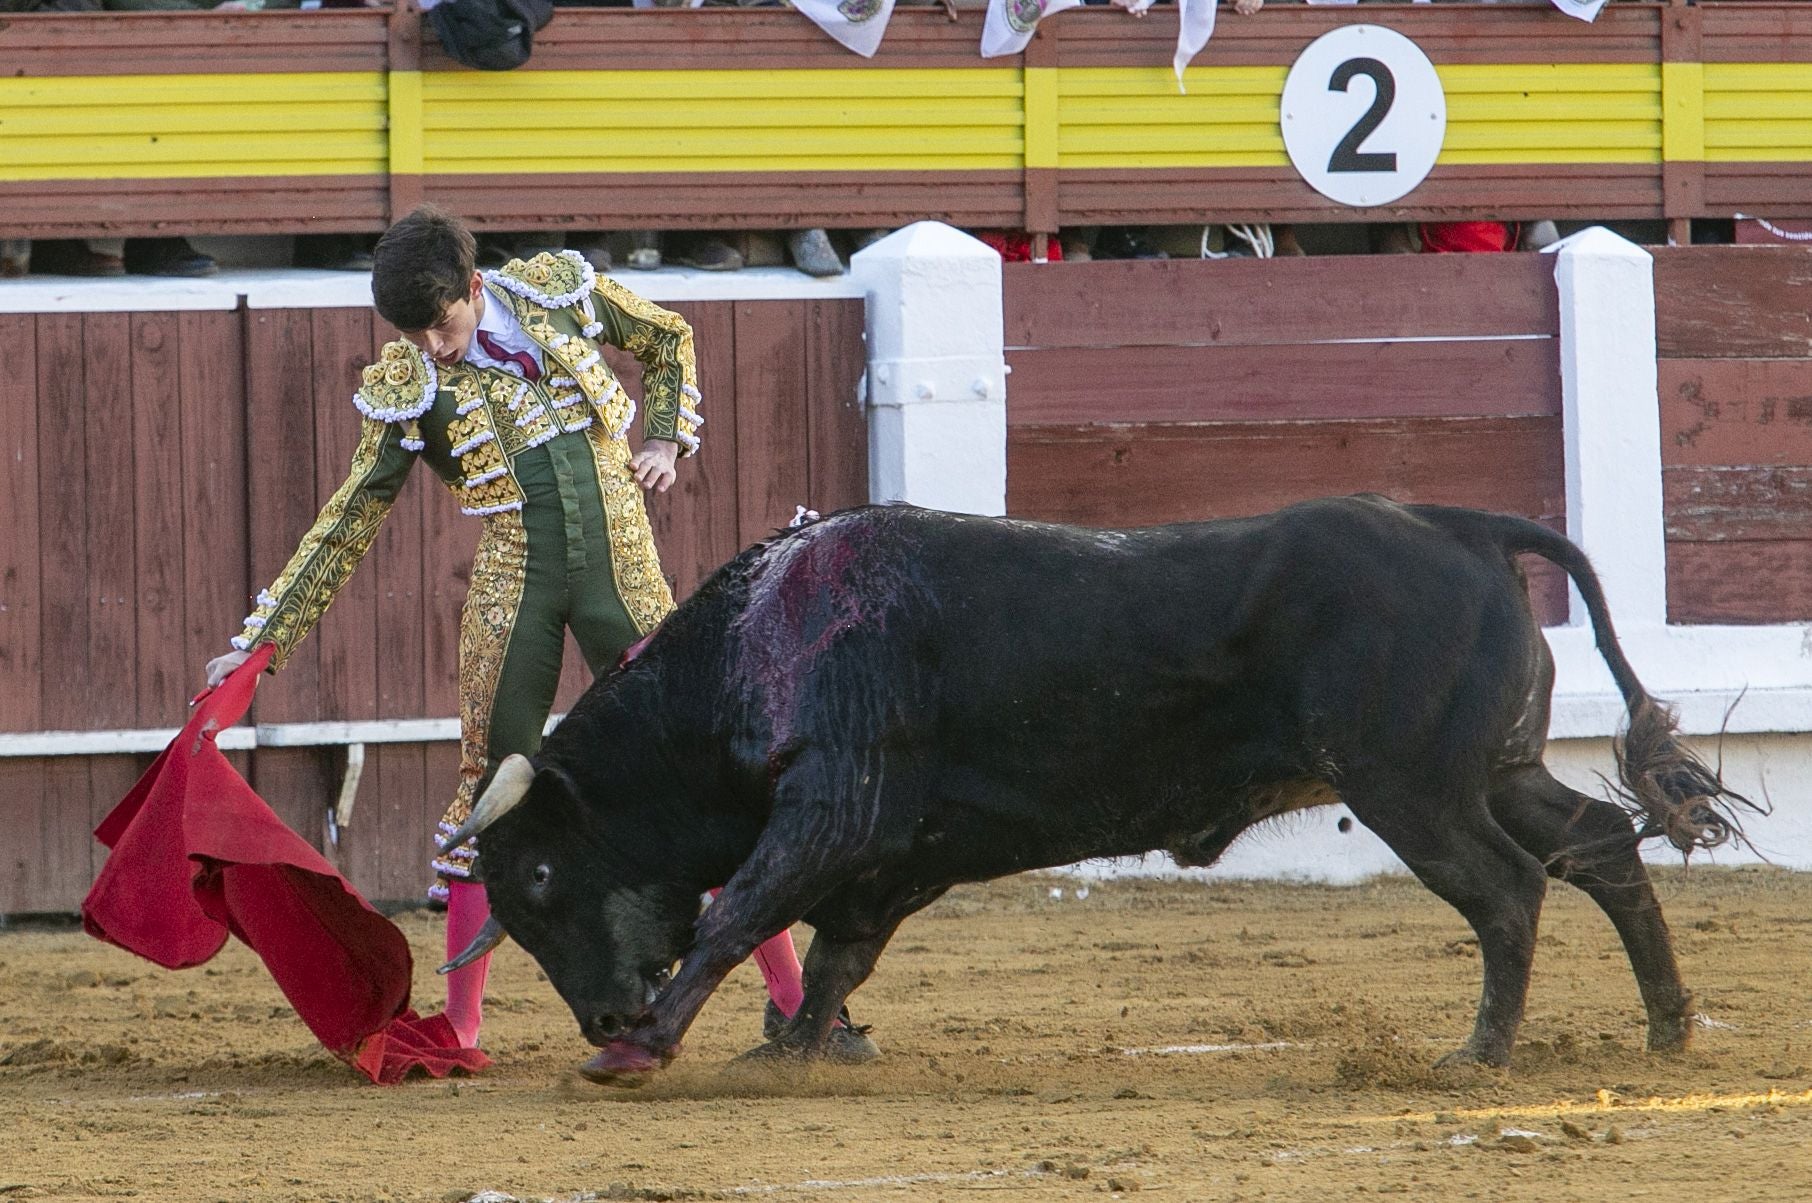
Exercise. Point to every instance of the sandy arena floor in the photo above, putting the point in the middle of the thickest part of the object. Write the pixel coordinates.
(1225, 1042)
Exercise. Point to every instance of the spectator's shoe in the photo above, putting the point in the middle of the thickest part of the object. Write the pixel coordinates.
(73, 257)
(813, 253)
(595, 252)
(334, 252)
(710, 254)
(644, 250)
(15, 257)
(847, 1044)
(1125, 242)
(167, 257)
(495, 250)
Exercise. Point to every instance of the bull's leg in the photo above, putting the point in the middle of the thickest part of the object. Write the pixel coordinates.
(833, 970)
(1457, 850)
(1589, 843)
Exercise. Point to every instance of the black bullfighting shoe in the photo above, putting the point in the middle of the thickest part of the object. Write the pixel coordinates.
(846, 1045)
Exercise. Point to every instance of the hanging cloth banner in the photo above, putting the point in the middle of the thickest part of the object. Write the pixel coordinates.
(1585, 10)
(1195, 25)
(1011, 22)
(858, 24)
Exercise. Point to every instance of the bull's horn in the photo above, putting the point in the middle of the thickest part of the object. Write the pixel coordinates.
(489, 936)
(509, 786)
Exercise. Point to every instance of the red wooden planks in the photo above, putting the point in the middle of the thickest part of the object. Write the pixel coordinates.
(1398, 379)
(837, 424)
(21, 636)
(771, 475)
(1276, 302)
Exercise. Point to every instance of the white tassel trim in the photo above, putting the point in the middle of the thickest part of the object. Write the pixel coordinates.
(568, 400)
(521, 392)
(544, 436)
(628, 421)
(581, 424)
(477, 440)
(402, 413)
(265, 598)
(472, 482)
(592, 329)
(588, 363)
(688, 441)
(480, 511)
(414, 444)
(588, 280)
(530, 416)
(691, 416)
(475, 403)
(562, 382)
(241, 643)
(691, 392)
(253, 621)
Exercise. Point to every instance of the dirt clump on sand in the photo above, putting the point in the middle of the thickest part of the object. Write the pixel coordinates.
(1220, 1041)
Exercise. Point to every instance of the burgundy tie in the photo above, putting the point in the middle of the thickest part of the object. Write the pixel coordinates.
(531, 372)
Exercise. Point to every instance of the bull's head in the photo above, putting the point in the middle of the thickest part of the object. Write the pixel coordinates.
(605, 929)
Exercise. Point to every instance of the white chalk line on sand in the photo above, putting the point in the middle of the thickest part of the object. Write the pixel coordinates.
(1194, 1050)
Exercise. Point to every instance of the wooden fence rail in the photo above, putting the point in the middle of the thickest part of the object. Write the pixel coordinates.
(146, 123)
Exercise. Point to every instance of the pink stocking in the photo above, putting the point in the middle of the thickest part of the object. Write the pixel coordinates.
(466, 912)
(779, 965)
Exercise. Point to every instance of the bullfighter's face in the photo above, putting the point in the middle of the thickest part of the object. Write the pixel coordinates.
(602, 928)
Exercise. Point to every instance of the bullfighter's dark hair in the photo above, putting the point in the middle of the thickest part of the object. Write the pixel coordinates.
(422, 265)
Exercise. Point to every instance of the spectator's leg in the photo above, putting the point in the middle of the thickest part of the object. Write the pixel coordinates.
(594, 245)
(167, 257)
(78, 257)
(334, 252)
(707, 252)
(15, 257)
(813, 253)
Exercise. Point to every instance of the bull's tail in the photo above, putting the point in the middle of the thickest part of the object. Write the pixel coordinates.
(1668, 790)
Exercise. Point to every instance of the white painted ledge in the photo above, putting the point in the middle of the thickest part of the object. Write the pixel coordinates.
(298, 288)
(264, 735)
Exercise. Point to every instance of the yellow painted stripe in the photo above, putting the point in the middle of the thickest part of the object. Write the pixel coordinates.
(1683, 112)
(576, 88)
(405, 118)
(1041, 116)
(757, 120)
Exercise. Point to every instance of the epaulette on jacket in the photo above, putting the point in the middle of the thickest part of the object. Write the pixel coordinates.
(552, 281)
(399, 387)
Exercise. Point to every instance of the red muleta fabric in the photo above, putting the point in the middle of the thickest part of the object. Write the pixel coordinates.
(197, 855)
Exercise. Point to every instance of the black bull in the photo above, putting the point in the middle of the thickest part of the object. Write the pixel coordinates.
(850, 718)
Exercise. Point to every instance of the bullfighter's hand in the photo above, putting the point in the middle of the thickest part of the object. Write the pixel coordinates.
(221, 667)
(653, 465)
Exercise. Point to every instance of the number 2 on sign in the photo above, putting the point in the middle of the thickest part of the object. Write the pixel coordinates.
(1357, 150)
(1347, 156)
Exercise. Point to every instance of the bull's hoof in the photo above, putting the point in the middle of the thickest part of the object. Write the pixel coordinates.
(620, 1063)
(1467, 1056)
(844, 1046)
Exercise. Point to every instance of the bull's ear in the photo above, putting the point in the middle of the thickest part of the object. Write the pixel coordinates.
(552, 781)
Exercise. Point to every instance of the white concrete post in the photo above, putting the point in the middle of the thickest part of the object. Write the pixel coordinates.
(1612, 414)
(937, 381)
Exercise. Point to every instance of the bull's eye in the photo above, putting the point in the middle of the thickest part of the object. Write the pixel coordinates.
(541, 874)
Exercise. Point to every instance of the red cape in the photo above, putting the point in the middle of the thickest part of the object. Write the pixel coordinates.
(197, 855)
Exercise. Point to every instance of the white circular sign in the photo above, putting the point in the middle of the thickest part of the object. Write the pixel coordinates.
(1363, 115)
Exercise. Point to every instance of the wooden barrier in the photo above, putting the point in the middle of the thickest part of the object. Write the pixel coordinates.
(161, 467)
(1168, 391)
(146, 123)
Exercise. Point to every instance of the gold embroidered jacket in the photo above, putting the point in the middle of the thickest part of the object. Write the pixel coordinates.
(471, 423)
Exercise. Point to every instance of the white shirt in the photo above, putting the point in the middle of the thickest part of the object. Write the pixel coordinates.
(499, 321)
